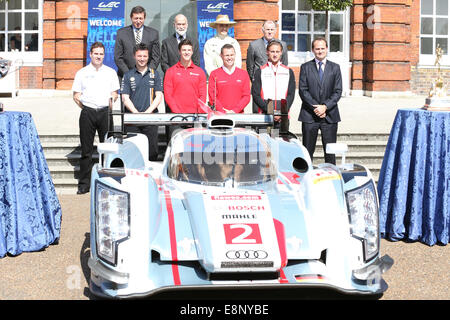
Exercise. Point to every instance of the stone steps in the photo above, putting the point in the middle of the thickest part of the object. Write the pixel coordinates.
(63, 153)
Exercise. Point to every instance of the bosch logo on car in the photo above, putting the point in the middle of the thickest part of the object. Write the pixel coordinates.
(251, 208)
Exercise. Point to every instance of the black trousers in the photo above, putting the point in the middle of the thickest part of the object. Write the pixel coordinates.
(152, 135)
(91, 120)
(329, 135)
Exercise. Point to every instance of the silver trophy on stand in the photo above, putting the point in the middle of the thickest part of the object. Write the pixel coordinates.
(437, 97)
(4, 67)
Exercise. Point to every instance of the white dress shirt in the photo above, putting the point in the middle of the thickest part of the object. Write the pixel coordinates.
(134, 32)
(324, 61)
(95, 85)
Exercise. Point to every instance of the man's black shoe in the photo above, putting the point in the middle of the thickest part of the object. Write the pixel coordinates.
(82, 190)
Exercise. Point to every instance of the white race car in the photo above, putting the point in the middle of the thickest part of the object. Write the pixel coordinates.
(229, 207)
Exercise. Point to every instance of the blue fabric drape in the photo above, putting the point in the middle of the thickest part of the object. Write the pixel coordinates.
(30, 212)
(414, 181)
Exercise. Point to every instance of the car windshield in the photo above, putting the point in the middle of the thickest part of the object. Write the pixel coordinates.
(241, 158)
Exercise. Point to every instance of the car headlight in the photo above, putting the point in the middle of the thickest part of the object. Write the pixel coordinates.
(112, 221)
(364, 220)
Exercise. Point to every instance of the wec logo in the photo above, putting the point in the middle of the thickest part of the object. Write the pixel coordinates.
(112, 4)
(220, 5)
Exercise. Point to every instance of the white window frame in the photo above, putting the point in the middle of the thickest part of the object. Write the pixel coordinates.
(429, 59)
(29, 58)
(296, 57)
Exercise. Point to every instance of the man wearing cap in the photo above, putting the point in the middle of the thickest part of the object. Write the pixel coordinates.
(211, 51)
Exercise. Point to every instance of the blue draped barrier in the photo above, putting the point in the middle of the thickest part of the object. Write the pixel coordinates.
(30, 212)
(414, 181)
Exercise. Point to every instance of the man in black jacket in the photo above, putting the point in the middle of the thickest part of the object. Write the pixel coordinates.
(128, 37)
(170, 55)
(320, 88)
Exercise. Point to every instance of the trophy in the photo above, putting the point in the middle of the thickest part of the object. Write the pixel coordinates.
(437, 97)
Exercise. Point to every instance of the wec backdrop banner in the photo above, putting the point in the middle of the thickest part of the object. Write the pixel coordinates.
(207, 11)
(104, 19)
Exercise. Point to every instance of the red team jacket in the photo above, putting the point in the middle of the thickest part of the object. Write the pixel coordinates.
(229, 91)
(184, 87)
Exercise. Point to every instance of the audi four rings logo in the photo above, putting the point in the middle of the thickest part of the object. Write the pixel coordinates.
(246, 254)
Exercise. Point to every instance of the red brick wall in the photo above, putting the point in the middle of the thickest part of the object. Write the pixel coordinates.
(380, 36)
(415, 32)
(70, 38)
(64, 35)
(30, 78)
(49, 14)
(250, 16)
(381, 57)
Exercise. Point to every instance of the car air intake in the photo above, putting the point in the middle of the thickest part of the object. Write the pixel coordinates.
(221, 123)
(239, 276)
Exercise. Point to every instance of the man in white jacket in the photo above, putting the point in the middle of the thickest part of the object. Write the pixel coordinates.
(211, 51)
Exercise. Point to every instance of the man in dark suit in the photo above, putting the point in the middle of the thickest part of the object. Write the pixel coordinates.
(257, 53)
(128, 37)
(320, 88)
(170, 55)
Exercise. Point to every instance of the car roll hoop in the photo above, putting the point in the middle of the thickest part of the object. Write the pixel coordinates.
(118, 120)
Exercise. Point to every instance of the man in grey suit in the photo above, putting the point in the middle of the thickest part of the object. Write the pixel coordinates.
(320, 88)
(128, 37)
(257, 53)
(170, 54)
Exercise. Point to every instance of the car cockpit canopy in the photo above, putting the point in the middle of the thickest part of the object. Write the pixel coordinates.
(239, 158)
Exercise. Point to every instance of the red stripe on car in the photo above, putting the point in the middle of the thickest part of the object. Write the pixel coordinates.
(173, 238)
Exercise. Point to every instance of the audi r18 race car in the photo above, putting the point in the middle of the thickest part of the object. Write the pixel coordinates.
(229, 206)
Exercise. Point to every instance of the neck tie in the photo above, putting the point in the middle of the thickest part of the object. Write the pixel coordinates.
(320, 71)
(138, 36)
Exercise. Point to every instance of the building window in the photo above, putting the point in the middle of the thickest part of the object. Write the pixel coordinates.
(433, 30)
(20, 27)
(300, 25)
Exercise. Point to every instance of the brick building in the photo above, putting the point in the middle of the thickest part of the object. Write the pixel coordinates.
(384, 47)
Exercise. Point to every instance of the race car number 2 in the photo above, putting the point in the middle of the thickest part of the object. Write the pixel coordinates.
(242, 233)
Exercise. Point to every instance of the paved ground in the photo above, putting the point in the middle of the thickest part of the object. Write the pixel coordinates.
(61, 271)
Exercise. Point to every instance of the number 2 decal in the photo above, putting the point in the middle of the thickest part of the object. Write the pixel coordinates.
(241, 233)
